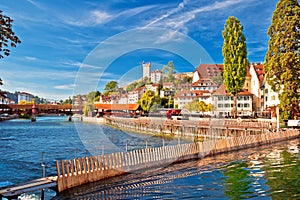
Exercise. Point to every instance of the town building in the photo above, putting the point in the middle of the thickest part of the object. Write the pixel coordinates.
(182, 98)
(135, 95)
(207, 71)
(153, 87)
(24, 96)
(223, 103)
(205, 84)
(156, 76)
(257, 79)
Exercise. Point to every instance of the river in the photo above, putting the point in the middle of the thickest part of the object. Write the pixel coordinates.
(268, 172)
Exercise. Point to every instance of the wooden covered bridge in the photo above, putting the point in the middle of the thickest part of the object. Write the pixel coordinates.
(40, 108)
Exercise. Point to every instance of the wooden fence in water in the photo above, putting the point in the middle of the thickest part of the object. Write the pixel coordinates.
(209, 128)
(79, 171)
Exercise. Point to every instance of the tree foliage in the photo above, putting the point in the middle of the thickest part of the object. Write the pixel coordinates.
(147, 100)
(218, 79)
(193, 106)
(7, 35)
(282, 64)
(169, 71)
(235, 57)
(111, 86)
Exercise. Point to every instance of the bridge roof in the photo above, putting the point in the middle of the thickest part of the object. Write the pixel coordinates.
(38, 106)
(116, 106)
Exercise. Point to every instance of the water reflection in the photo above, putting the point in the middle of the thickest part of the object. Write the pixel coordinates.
(259, 173)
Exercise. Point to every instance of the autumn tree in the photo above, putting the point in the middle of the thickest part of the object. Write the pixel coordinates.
(282, 64)
(235, 58)
(193, 106)
(147, 100)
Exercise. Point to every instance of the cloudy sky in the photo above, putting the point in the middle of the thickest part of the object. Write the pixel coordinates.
(75, 46)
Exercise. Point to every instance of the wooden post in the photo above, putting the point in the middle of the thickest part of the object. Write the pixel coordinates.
(62, 168)
(57, 169)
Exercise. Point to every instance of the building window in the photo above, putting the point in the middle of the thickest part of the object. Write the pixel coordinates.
(266, 91)
(220, 105)
(273, 98)
(220, 98)
(246, 105)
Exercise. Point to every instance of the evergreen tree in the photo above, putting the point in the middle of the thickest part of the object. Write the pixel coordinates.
(235, 58)
(282, 65)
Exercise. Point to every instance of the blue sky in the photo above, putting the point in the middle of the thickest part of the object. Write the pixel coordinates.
(75, 46)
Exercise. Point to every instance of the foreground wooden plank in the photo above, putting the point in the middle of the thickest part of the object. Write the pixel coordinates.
(37, 184)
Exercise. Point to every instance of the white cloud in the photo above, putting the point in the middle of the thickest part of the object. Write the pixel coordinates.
(170, 12)
(178, 17)
(30, 58)
(100, 17)
(92, 18)
(79, 64)
(65, 87)
(35, 4)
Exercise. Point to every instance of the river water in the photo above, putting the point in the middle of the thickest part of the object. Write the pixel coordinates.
(268, 172)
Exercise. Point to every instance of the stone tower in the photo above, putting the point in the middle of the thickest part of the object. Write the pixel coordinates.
(146, 69)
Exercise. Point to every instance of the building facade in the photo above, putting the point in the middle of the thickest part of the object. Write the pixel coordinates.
(156, 76)
(223, 103)
(24, 96)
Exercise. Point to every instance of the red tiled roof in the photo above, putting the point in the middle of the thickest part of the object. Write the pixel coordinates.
(259, 69)
(205, 81)
(209, 70)
(116, 106)
(248, 72)
(221, 91)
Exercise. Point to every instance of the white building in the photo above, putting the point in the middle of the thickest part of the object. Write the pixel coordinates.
(153, 87)
(223, 103)
(146, 69)
(182, 98)
(205, 84)
(135, 95)
(270, 97)
(256, 72)
(24, 96)
(156, 76)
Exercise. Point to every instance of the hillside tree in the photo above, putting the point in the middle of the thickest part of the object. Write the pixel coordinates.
(169, 71)
(282, 63)
(111, 86)
(235, 58)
